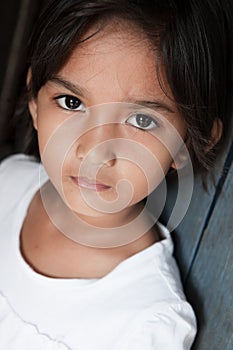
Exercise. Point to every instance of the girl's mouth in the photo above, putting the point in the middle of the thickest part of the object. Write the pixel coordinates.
(86, 183)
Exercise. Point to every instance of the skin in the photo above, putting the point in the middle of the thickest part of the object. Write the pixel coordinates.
(114, 66)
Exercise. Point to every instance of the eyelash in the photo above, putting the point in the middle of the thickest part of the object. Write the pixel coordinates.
(144, 118)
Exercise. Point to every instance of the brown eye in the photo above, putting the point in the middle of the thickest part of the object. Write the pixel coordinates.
(70, 103)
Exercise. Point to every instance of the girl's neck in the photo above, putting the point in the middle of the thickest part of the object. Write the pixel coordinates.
(53, 254)
(116, 219)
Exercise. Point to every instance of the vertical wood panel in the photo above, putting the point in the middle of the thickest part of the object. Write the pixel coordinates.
(210, 283)
(188, 234)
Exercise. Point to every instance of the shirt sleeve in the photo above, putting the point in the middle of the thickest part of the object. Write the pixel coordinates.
(170, 326)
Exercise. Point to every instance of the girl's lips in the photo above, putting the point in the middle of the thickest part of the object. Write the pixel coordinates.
(89, 184)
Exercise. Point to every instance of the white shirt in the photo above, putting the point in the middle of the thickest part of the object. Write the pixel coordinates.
(139, 305)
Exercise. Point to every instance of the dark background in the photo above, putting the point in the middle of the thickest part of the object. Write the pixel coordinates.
(16, 22)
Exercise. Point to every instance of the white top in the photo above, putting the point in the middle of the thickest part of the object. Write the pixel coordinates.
(139, 305)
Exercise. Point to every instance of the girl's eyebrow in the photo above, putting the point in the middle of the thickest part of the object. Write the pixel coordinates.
(80, 91)
(154, 105)
(75, 88)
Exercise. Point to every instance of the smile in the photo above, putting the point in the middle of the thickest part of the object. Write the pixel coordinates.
(84, 182)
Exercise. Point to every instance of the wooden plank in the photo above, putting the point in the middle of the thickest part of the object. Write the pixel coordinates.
(210, 283)
(188, 234)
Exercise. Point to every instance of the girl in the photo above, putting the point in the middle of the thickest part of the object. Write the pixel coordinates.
(118, 92)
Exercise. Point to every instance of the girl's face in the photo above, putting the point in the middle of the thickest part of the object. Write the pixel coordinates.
(104, 118)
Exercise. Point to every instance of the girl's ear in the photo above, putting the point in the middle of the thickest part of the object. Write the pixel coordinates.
(32, 104)
(180, 161)
(216, 135)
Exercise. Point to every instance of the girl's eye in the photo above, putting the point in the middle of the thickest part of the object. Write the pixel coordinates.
(70, 103)
(143, 121)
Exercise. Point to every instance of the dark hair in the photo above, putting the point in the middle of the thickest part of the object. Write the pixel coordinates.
(193, 38)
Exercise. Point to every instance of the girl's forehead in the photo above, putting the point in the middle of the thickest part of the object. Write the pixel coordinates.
(119, 60)
(114, 31)
(108, 41)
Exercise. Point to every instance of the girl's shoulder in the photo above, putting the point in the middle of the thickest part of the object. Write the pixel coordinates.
(18, 168)
(168, 325)
(18, 173)
(17, 162)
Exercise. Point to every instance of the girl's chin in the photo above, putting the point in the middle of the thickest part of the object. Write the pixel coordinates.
(83, 210)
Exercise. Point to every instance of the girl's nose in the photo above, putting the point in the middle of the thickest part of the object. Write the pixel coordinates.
(96, 149)
(99, 155)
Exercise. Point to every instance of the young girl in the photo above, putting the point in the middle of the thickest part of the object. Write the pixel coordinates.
(118, 92)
